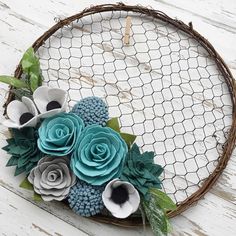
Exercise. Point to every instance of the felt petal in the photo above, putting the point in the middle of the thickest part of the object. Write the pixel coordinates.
(10, 124)
(31, 123)
(117, 183)
(15, 109)
(110, 205)
(134, 200)
(50, 113)
(41, 99)
(108, 189)
(124, 211)
(30, 105)
(57, 94)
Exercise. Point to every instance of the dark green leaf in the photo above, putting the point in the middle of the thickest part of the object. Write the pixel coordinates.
(12, 161)
(13, 81)
(26, 184)
(37, 197)
(114, 124)
(129, 138)
(19, 170)
(163, 200)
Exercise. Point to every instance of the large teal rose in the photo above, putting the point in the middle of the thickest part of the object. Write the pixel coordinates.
(99, 155)
(58, 135)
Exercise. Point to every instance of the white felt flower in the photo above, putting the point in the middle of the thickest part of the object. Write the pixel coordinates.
(120, 198)
(21, 114)
(50, 101)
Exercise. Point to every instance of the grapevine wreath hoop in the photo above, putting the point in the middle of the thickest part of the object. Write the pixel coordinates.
(164, 82)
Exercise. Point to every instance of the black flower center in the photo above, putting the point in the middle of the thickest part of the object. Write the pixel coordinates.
(25, 117)
(120, 195)
(53, 105)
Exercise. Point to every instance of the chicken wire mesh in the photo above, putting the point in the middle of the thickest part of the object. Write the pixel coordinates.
(163, 86)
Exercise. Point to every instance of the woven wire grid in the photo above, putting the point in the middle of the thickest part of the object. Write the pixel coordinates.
(163, 86)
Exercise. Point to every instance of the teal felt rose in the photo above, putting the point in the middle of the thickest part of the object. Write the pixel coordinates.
(58, 135)
(99, 155)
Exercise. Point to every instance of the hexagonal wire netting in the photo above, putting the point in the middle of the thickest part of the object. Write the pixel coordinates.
(163, 86)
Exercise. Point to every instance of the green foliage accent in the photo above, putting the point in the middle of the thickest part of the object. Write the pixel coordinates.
(156, 217)
(23, 150)
(16, 83)
(128, 138)
(155, 208)
(141, 171)
(164, 201)
(37, 197)
(19, 93)
(31, 66)
(26, 184)
(114, 124)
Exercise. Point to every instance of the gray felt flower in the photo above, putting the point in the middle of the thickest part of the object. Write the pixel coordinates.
(52, 178)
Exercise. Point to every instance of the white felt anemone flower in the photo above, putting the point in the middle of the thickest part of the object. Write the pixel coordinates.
(50, 101)
(120, 198)
(21, 114)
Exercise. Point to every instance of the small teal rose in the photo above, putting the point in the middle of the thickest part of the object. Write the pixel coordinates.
(99, 155)
(58, 135)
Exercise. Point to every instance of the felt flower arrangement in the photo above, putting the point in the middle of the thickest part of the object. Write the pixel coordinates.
(81, 156)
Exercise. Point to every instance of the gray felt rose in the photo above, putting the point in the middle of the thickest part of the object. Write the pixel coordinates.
(52, 178)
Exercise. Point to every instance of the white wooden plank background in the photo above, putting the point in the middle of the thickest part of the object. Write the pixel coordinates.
(21, 22)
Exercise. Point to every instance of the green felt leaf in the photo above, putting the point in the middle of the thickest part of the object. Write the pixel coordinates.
(37, 197)
(31, 66)
(13, 81)
(34, 82)
(12, 161)
(164, 201)
(19, 170)
(129, 138)
(156, 217)
(26, 184)
(114, 124)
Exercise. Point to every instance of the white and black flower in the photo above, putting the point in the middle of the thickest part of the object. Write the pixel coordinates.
(21, 114)
(120, 198)
(50, 101)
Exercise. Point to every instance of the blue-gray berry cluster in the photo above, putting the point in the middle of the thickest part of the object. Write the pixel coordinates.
(92, 110)
(85, 199)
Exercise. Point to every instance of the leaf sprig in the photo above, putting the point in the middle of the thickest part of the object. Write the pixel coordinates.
(156, 209)
(31, 68)
(128, 138)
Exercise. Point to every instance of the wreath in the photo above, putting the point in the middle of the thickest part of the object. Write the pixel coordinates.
(80, 156)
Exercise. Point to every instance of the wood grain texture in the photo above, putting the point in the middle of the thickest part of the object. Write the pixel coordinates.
(21, 22)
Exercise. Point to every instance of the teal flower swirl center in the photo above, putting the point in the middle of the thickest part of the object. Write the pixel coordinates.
(99, 156)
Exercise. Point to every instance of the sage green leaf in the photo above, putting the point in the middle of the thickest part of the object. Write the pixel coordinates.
(156, 217)
(31, 67)
(129, 138)
(114, 124)
(37, 197)
(164, 201)
(26, 184)
(34, 82)
(13, 81)
(30, 62)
